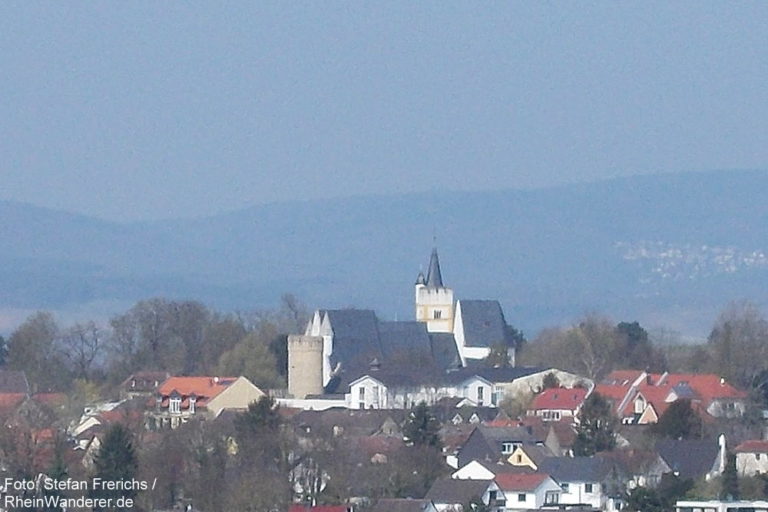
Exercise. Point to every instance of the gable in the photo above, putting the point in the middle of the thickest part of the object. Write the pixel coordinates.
(483, 323)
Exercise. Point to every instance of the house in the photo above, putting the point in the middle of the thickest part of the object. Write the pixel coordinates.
(583, 480)
(555, 404)
(641, 398)
(528, 491)
(492, 444)
(403, 505)
(451, 494)
(179, 399)
(752, 457)
(142, 384)
(692, 458)
(721, 506)
(640, 468)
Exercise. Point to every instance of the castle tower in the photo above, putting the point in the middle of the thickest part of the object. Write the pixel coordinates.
(305, 365)
(434, 302)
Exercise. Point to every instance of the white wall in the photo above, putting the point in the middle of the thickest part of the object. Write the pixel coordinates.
(751, 464)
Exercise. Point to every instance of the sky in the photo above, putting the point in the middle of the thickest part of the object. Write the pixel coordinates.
(149, 110)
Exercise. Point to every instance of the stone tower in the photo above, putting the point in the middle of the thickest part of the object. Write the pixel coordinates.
(305, 365)
(434, 302)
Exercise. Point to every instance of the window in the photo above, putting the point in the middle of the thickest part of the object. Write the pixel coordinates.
(757, 456)
(480, 391)
(587, 487)
(492, 495)
(376, 395)
(361, 394)
(174, 405)
(437, 314)
(519, 459)
(552, 498)
(565, 487)
(192, 401)
(639, 405)
(507, 448)
(521, 497)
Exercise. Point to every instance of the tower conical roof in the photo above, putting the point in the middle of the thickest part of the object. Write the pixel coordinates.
(434, 278)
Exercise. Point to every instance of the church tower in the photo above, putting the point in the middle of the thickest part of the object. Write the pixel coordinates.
(434, 302)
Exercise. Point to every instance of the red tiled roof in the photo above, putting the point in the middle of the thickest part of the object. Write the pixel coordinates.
(708, 386)
(559, 398)
(9, 401)
(50, 399)
(207, 387)
(520, 481)
(753, 446)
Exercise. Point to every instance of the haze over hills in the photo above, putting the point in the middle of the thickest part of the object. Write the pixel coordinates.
(668, 250)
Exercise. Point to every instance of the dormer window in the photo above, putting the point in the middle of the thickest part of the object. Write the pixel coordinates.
(174, 403)
(192, 401)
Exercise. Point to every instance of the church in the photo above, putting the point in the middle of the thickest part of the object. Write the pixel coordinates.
(447, 341)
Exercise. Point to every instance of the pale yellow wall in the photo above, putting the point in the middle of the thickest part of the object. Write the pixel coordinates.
(520, 458)
(237, 396)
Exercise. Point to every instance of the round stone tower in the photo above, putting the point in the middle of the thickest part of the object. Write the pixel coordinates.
(305, 365)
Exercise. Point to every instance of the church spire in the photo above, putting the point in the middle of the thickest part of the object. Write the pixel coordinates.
(434, 278)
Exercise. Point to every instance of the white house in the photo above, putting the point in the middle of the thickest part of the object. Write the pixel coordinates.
(752, 458)
(528, 491)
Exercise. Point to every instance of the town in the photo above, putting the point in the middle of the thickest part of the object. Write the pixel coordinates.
(175, 407)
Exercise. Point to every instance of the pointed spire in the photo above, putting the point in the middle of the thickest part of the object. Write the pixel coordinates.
(434, 278)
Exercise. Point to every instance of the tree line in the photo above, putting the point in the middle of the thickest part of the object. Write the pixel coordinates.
(181, 337)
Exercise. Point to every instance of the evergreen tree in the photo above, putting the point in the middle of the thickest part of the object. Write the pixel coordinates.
(58, 472)
(115, 462)
(498, 357)
(597, 425)
(261, 415)
(422, 428)
(730, 481)
(679, 421)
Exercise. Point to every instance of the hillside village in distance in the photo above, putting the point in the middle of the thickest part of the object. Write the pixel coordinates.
(338, 410)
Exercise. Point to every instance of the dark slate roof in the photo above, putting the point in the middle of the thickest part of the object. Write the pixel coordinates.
(494, 375)
(456, 491)
(445, 353)
(355, 335)
(691, 458)
(353, 422)
(486, 443)
(401, 505)
(434, 277)
(484, 324)
(405, 339)
(576, 469)
(13, 382)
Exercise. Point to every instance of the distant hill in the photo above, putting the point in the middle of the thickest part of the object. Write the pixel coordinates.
(668, 250)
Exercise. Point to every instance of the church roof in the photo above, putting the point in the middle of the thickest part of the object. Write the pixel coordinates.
(483, 323)
(355, 335)
(405, 339)
(434, 277)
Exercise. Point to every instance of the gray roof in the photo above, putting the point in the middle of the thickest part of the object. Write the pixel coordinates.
(576, 469)
(355, 336)
(486, 443)
(454, 491)
(444, 350)
(13, 382)
(405, 339)
(494, 375)
(690, 457)
(434, 277)
(484, 324)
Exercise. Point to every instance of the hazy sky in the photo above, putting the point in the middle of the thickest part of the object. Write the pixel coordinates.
(129, 110)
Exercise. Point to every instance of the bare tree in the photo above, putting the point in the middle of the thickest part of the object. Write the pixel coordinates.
(83, 344)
